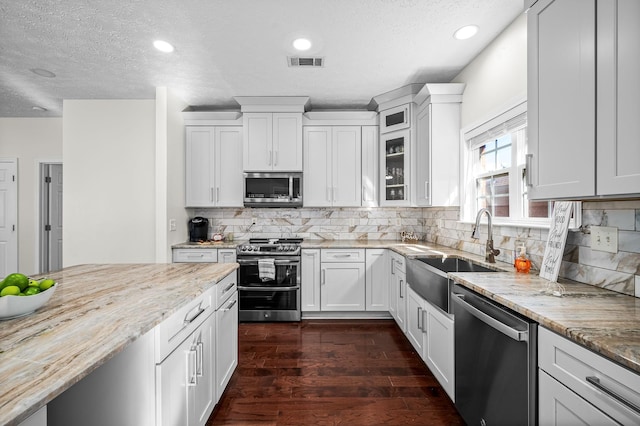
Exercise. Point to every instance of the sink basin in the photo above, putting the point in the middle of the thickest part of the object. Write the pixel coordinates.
(427, 276)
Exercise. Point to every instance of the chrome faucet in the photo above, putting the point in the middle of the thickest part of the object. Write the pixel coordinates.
(491, 253)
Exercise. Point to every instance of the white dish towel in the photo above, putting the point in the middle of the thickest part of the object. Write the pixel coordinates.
(267, 269)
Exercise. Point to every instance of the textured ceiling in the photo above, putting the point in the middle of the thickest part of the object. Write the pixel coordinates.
(225, 48)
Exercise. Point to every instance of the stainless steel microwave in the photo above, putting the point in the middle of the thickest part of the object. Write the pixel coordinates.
(273, 189)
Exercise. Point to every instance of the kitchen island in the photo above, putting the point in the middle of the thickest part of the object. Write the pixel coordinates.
(95, 313)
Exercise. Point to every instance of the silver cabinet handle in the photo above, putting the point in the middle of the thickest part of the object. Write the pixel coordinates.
(322, 278)
(621, 399)
(217, 194)
(528, 165)
(401, 283)
(419, 318)
(518, 335)
(424, 327)
(230, 305)
(275, 158)
(229, 287)
(191, 315)
(199, 359)
(393, 272)
(426, 190)
(342, 255)
(191, 367)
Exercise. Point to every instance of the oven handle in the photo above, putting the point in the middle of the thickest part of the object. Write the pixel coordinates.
(517, 335)
(268, 288)
(254, 261)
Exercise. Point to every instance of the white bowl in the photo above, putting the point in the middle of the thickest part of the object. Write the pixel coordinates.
(17, 306)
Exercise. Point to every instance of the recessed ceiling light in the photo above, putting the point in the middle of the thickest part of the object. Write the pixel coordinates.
(38, 108)
(42, 72)
(466, 32)
(163, 46)
(302, 44)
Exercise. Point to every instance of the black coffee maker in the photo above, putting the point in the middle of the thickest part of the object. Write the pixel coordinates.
(198, 229)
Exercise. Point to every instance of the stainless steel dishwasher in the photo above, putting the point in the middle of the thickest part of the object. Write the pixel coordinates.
(495, 362)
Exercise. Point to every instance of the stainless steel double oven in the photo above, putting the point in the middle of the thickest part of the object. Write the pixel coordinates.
(269, 280)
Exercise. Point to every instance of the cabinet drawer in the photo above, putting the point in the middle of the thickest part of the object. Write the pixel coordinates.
(172, 331)
(578, 368)
(226, 288)
(195, 255)
(342, 255)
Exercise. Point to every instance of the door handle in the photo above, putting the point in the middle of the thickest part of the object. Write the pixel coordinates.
(191, 367)
(230, 305)
(401, 296)
(517, 335)
(596, 383)
(322, 277)
(419, 318)
(275, 158)
(270, 156)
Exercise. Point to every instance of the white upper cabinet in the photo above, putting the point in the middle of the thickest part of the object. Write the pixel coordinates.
(272, 141)
(370, 166)
(618, 95)
(272, 132)
(213, 166)
(436, 157)
(579, 148)
(332, 166)
(395, 168)
(396, 118)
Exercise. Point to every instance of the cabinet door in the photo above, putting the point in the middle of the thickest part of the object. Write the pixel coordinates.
(310, 280)
(401, 308)
(377, 280)
(228, 167)
(347, 166)
(394, 168)
(204, 398)
(618, 168)
(396, 118)
(342, 287)
(439, 347)
(561, 98)
(175, 378)
(415, 321)
(287, 141)
(370, 165)
(199, 155)
(393, 288)
(422, 157)
(559, 406)
(226, 347)
(257, 146)
(317, 167)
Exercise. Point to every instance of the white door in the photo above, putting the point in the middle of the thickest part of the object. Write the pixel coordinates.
(347, 166)
(342, 287)
(205, 394)
(257, 145)
(618, 168)
(199, 183)
(174, 381)
(310, 280)
(415, 318)
(226, 343)
(8, 217)
(377, 280)
(317, 167)
(228, 167)
(287, 141)
(370, 166)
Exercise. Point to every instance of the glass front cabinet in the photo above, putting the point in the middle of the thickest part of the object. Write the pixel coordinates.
(394, 168)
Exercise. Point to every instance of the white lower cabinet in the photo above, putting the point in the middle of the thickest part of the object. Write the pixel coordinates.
(431, 333)
(398, 290)
(578, 386)
(310, 280)
(376, 280)
(226, 342)
(185, 379)
(342, 286)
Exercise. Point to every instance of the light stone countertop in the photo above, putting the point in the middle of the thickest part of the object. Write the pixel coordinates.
(95, 312)
(207, 245)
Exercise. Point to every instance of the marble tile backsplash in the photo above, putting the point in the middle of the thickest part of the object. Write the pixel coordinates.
(619, 272)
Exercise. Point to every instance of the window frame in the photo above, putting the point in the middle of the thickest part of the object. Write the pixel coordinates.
(468, 194)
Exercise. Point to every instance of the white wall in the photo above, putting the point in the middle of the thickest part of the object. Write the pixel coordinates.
(109, 167)
(497, 77)
(30, 140)
(170, 164)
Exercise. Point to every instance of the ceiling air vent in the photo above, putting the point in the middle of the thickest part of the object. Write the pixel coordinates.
(295, 61)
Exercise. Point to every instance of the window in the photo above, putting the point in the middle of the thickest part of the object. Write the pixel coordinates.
(494, 172)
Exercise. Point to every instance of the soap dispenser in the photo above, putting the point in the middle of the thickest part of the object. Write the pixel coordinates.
(522, 263)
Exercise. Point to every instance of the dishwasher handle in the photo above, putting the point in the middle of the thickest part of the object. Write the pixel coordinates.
(517, 335)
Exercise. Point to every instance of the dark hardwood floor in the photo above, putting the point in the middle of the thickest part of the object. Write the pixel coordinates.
(328, 372)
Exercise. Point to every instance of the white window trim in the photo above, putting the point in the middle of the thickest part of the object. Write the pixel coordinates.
(467, 179)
